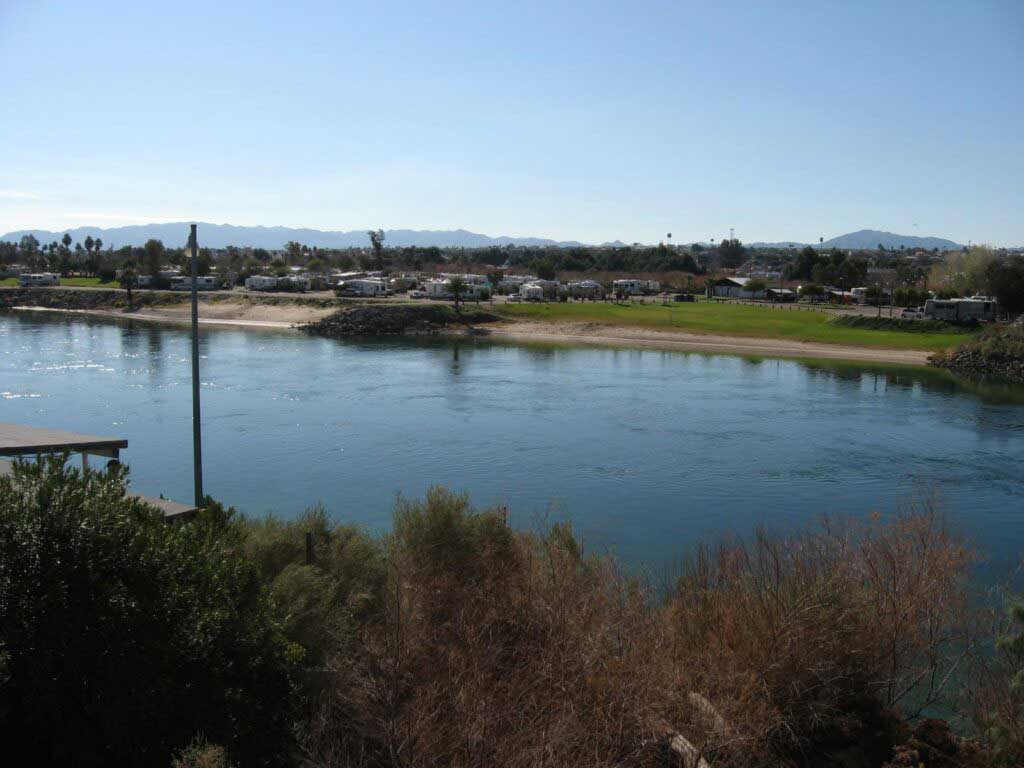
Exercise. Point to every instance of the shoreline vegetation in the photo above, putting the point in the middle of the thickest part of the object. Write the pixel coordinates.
(712, 327)
(455, 639)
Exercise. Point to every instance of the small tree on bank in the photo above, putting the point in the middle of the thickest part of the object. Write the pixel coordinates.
(128, 280)
(457, 287)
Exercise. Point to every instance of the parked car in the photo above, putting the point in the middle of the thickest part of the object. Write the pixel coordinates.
(912, 313)
(417, 295)
(684, 297)
(513, 297)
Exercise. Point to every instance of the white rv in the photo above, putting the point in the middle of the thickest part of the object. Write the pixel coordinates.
(38, 278)
(204, 283)
(366, 286)
(961, 310)
(531, 292)
(586, 289)
(628, 287)
(260, 283)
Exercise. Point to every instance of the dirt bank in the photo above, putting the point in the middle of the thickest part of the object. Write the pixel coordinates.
(592, 333)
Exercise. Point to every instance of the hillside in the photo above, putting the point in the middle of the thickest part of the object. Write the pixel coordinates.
(870, 238)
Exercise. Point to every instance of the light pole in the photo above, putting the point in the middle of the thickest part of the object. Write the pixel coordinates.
(197, 434)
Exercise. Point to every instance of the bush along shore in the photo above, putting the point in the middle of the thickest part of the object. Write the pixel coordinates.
(396, 319)
(457, 640)
(92, 299)
(997, 353)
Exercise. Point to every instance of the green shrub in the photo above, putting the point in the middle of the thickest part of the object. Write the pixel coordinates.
(125, 635)
(898, 324)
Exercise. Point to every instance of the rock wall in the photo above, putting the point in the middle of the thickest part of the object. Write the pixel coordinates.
(395, 319)
(977, 364)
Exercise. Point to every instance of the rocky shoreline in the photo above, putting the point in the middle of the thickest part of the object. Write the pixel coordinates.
(396, 320)
(94, 298)
(998, 354)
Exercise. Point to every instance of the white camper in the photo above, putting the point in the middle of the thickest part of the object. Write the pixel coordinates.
(38, 278)
(260, 283)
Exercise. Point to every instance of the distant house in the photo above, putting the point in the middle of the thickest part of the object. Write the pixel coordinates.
(780, 294)
(734, 288)
(841, 297)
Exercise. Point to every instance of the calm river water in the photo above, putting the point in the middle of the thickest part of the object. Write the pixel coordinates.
(645, 451)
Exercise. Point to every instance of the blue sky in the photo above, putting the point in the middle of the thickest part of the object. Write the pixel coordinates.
(590, 121)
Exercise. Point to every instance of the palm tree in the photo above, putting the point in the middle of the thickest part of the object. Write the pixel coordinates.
(457, 287)
(128, 279)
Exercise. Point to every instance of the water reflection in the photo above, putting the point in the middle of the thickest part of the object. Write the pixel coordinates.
(642, 448)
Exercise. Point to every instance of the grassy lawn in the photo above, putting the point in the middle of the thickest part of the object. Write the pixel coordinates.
(87, 282)
(729, 319)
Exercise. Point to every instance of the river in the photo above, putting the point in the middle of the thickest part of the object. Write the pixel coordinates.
(644, 451)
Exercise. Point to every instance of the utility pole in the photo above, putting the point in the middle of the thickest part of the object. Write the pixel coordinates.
(197, 433)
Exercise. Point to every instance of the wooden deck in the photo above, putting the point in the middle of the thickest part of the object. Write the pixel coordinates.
(19, 440)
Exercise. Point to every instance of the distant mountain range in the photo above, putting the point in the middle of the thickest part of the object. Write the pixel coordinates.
(871, 238)
(274, 238)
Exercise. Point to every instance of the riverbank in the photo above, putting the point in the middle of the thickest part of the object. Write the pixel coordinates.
(997, 354)
(699, 327)
(625, 336)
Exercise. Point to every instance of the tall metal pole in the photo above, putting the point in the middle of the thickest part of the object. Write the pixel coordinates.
(197, 435)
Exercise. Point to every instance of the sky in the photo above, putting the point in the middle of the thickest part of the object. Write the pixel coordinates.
(591, 121)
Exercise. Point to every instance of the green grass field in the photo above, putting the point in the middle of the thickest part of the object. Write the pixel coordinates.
(731, 320)
(81, 282)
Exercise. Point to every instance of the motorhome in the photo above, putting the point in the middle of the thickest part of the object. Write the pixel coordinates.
(38, 278)
(586, 289)
(628, 287)
(366, 286)
(260, 283)
(203, 283)
(961, 310)
(531, 292)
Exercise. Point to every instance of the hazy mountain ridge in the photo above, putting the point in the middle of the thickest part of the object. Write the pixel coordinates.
(869, 239)
(274, 238)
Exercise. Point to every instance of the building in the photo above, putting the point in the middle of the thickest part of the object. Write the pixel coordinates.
(981, 310)
(734, 288)
(783, 295)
